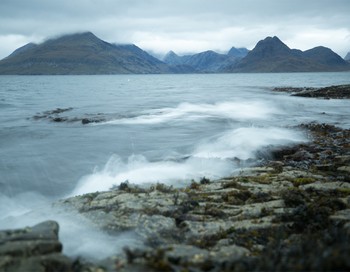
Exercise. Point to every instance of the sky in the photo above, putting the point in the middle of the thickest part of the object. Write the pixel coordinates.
(184, 26)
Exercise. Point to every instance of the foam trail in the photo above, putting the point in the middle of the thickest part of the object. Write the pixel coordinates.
(237, 110)
(242, 143)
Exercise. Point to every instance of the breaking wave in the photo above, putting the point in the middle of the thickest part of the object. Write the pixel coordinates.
(211, 158)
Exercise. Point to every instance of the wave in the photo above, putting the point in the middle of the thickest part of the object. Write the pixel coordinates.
(243, 143)
(237, 110)
(138, 170)
(211, 159)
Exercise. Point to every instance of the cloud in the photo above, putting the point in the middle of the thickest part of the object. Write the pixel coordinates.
(182, 25)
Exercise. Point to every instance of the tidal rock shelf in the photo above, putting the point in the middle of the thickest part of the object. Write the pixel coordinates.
(291, 212)
(330, 92)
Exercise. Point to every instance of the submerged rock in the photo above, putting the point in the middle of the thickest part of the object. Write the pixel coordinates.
(331, 92)
(56, 117)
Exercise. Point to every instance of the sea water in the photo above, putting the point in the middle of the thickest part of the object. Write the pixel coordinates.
(149, 128)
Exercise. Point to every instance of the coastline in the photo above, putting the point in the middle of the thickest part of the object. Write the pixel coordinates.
(289, 212)
(281, 215)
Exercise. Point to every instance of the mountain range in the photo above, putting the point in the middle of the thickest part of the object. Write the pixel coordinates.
(84, 53)
(205, 62)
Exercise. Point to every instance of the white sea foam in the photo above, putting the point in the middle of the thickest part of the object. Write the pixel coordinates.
(140, 171)
(209, 159)
(236, 110)
(242, 143)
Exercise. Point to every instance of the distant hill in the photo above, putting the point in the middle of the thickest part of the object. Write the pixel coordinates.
(81, 53)
(204, 62)
(272, 55)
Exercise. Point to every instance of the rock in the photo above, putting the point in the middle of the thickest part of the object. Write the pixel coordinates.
(293, 90)
(55, 116)
(343, 215)
(326, 186)
(96, 119)
(229, 253)
(335, 92)
(344, 169)
(302, 155)
(33, 249)
(325, 167)
(187, 254)
(341, 160)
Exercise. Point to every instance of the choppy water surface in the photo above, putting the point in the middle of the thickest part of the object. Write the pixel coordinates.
(152, 128)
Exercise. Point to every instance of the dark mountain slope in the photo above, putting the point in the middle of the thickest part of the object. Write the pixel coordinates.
(81, 53)
(272, 55)
(23, 49)
(324, 55)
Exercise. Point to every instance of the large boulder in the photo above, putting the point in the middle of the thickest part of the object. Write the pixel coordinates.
(34, 248)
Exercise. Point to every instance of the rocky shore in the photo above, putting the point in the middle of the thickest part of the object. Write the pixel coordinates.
(331, 92)
(291, 212)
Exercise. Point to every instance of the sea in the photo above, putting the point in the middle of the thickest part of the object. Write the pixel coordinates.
(141, 129)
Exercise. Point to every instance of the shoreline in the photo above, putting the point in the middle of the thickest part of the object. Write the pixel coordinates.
(280, 215)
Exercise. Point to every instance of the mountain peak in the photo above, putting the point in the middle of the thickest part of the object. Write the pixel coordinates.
(170, 54)
(272, 41)
(238, 52)
(81, 53)
(270, 47)
(172, 58)
(80, 37)
(347, 57)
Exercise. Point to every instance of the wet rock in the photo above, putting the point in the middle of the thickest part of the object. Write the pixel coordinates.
(344, 169)
(33, 249)
(90, 120)
(330, 92)
(335, 92)
(342, 160)
(56, 116)
(293, 89)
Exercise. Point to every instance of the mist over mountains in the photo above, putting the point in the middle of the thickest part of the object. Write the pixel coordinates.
(84, 53)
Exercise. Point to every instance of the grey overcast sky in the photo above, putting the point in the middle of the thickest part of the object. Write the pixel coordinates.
(179, 25)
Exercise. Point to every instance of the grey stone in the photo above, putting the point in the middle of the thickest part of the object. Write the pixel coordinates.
(34, 248)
